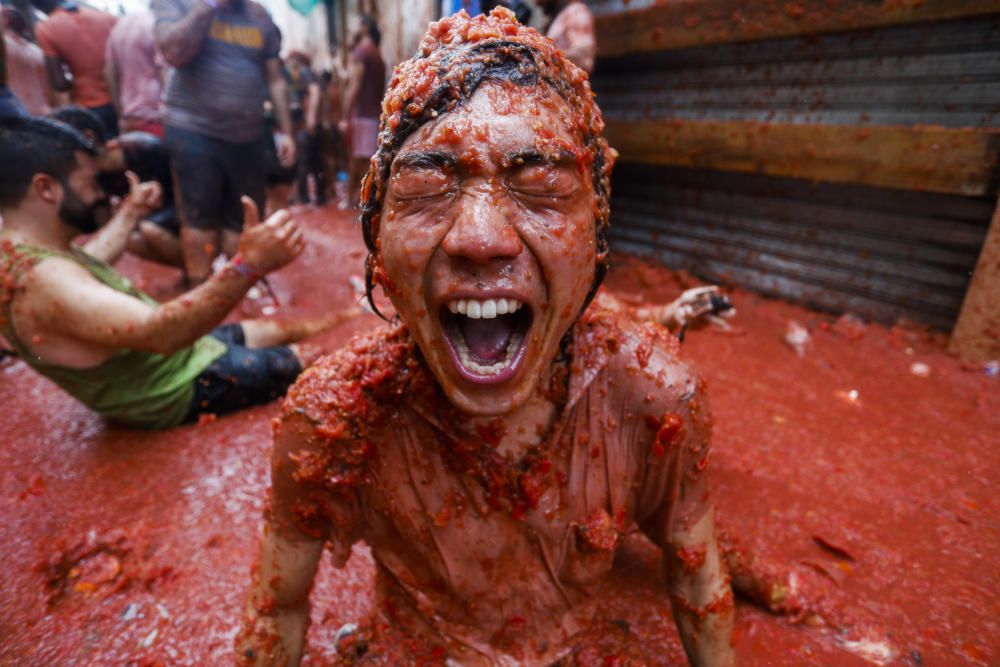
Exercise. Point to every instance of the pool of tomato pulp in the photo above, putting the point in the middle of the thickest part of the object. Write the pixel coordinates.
(866, 465)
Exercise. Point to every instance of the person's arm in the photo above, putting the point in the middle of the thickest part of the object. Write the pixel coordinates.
(180, 37)
(313, 103)
(57, 75)
(53, 60)
(276, 614)
(354, 74)
(684, 524)
(111, 76)
(279, 97)
(700, 595)
(109, 242)
(68, 302)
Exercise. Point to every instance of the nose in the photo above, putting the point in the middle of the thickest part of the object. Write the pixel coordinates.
(481, 231)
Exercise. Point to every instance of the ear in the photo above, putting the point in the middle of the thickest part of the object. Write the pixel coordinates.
(46, 188)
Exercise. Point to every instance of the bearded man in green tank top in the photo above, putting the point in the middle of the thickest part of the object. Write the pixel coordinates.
(74, 319)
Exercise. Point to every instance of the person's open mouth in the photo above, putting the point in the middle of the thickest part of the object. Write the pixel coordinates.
(486, 337)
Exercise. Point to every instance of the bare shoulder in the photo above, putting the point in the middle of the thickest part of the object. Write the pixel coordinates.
(327, 431)
(644, 362)
(352, 384)
(53, 278)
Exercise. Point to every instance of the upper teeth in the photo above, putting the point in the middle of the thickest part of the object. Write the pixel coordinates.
(486, 309)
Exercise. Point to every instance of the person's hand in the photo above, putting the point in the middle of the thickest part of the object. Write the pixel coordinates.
(344, 126)
(145, 197)
(268, 246)
(286, 149)
(699, 302)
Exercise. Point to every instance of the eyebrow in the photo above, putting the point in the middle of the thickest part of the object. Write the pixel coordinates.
(424, 160)
(535, 156)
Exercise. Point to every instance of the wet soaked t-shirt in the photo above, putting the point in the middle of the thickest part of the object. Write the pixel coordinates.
(221, 90)
(490, 580)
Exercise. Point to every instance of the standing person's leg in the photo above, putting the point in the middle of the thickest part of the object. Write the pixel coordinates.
(317, 164)
(302, 166)
(198, 185)
(157, 238)
(245, 170)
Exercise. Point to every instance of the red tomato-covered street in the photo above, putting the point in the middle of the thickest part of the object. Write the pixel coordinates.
(867, 463)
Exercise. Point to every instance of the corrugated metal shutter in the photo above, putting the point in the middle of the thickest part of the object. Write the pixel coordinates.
(878, 252)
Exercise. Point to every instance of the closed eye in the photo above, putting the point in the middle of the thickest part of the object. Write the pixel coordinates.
(422, 175)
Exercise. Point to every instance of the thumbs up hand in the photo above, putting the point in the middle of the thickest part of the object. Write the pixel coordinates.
(145, 197)
(269, 245)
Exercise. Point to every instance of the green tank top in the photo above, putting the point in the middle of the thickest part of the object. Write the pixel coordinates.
(142, 389)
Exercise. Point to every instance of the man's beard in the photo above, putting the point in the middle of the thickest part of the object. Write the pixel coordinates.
(78, 215)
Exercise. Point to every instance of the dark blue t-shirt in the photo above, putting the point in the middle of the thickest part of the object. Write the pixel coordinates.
(220, 91)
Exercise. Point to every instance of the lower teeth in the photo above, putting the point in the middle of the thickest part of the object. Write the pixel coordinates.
(465, 355)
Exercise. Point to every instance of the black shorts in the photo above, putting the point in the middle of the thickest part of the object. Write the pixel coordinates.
(210, 176)
(242, 376)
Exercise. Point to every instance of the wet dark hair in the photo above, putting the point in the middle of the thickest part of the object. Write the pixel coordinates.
(457, 55)
(30, 146)
(84, 121)
(371, 25)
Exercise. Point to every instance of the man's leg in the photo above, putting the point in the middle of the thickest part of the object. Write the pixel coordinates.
(268, 333)
(243, 377)
(198, 183)
(158, 238)
(302, 167)
(245, 173)
(317, 164)
(157, 244)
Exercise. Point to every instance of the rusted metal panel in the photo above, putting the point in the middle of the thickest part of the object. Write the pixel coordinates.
(881, 254)
(633, 26)
(854, 245)
(957, 161)
(945, 74)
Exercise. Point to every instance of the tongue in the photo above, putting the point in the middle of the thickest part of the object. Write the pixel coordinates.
(487, 339)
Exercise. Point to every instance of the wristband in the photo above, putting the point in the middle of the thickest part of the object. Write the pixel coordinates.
(244, 269)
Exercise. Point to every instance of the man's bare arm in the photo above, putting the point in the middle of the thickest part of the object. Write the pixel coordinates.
(276, 615)
(700, 594)
(57, 75)
(684, 524)
(354, 74)
(111, 76)
(65, 300)
(312, 106)
(181, 40)
(279, 97)
(110, 241)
